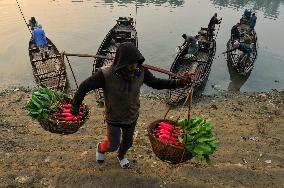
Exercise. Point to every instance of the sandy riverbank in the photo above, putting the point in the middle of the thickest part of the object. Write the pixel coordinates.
(249, 127)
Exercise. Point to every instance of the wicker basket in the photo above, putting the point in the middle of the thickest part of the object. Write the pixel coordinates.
(53, 125)
(165, 151)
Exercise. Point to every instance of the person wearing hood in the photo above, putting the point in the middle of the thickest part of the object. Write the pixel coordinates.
(121, 83)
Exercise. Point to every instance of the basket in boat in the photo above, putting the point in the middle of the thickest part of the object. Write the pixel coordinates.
(54, 125)
(164, 151)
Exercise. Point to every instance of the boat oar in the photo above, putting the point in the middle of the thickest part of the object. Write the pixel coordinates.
(151, 67)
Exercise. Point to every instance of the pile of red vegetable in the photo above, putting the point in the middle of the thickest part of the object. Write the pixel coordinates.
(168, 133)
(64, 114)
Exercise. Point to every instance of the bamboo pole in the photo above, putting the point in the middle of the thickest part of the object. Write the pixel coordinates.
(89, 55)
(151, 67)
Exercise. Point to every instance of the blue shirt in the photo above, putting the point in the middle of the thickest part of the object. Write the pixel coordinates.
(39, 37)
(246, 48)
(253, 21)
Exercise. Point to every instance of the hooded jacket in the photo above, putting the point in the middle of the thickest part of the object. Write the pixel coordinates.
(121, 95)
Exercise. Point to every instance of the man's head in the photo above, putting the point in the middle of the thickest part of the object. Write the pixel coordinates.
(33, 19)
(131, 69)
(39, 26)
(127, 58)
(253, 14)
(183, 36)
(215, 15)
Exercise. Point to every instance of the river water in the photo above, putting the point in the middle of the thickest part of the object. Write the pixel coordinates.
(80, 27)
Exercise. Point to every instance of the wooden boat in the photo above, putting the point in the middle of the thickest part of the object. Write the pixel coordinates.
(200, 65)
(49, 69)
(243, 64)
(123, 31)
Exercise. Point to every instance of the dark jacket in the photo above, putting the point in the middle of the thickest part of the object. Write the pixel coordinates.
(122, 95)
(253, 21)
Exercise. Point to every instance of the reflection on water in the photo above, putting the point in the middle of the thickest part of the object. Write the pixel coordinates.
(236, 80)
(269, 7)
(172, 3)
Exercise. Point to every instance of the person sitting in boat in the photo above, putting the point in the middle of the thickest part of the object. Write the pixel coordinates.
(190, 43)
(235, 33)
(121, 83)
(245, 48)
(246, 16)
(33, 23)
(211, 26)
(40, 40)
(252, 21)
(188, 40)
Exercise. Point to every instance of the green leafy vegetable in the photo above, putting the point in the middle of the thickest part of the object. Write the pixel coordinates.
(43, 103)
(198, 137)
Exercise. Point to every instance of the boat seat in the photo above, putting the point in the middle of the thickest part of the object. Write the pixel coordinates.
(34, 49)
(51, 57)
(107, 51)
(130, 39)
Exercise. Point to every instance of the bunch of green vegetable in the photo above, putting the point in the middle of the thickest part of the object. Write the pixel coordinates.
(198, 137)
(43, 103)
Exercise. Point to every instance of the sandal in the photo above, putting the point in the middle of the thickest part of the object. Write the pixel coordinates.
(100, 157)
(124, 163)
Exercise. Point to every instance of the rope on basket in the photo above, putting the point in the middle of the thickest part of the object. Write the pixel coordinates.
(71, 69)
(189, 97)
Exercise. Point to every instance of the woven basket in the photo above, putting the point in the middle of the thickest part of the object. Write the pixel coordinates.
(53, 125)
(165, 151)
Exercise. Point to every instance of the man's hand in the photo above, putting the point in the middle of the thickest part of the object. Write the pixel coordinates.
(188, 79)
(74, 110)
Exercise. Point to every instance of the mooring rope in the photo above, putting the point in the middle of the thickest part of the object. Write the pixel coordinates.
(23, 16)
(217, 31)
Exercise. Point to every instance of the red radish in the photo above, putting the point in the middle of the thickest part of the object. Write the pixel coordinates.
(66, 115)
(174, 135)
(165, 140)
(165, 128)
(69, 118)
(66, 111)
(164, 136)
(67, 106)
(162, 131)
(166, 124)
(66, 118)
